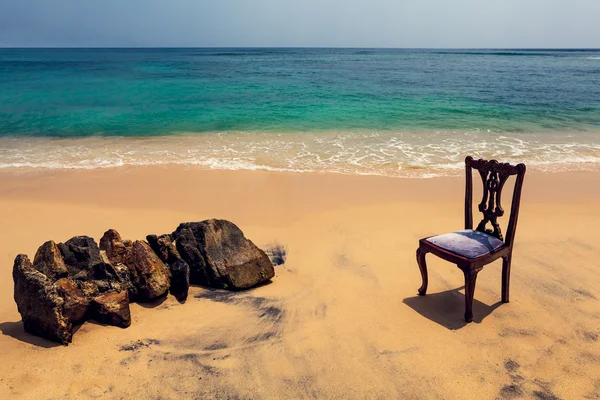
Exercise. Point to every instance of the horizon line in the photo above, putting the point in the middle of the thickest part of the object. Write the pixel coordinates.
(300, 47)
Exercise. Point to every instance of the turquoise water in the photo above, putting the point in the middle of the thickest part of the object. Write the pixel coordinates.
(395, 102)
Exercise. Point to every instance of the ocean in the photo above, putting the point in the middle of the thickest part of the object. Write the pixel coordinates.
(393, 112)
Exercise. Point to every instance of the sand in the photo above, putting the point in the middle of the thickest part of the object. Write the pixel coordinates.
(341, 319)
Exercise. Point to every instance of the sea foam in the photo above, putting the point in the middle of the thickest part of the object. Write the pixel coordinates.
(401, 154)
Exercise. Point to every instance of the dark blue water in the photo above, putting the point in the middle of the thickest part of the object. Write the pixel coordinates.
(130, 92)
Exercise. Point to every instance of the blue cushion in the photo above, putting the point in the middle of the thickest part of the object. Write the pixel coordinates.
(467, 243)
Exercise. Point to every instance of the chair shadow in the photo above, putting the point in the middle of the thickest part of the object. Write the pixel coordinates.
(448, 308)
(15, 330)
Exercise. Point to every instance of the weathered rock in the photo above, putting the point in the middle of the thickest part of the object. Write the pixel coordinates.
(125, 280)
(116, 249)
(164, 248)
(220, 256)
(179, 270)
(117, 252)
(43, 310)
(49, 261)
(180, 279)
(75, 304)
(189, 250)
(85, 263)
(81, 254)
(139, 269)
(149, 274)
(88, 288)
(112, 308)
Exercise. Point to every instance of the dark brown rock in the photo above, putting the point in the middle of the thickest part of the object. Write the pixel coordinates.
(150, 275)
(189, 250)
(179, 270)
(84, 262)
(80, 254)
(112, 308)
(164, 247)
(41, 306)
(125, 280)
(75, 303)
(220, 256)
(180, 279)
(139, 269)
(88, 288)
(116, 249)
(48, 260)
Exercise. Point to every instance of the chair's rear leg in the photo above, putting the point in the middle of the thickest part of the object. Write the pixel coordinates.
(470, 280)
(423, 268)
(506, 277)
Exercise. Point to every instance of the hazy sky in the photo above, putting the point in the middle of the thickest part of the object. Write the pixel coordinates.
(329, 23)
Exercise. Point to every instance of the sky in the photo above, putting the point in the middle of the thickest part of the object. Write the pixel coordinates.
(301, 23)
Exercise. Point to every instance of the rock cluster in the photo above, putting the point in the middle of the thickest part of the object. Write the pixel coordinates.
(67, 283)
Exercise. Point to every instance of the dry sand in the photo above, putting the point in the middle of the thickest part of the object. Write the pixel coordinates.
(341, 318)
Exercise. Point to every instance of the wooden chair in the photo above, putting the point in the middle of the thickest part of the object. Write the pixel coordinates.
(472, 249)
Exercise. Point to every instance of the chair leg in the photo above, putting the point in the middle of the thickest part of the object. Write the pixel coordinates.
(470, 280)
(506, 277)
(423, 268)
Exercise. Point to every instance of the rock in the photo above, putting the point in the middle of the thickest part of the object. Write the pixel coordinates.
(112, 308)
(116, 249)
(125, 280)
(44, 312)
(81, 254)
(140, 270)
(180, 279)
(179, 270)
(88, 288)
(164, 248)
(149, 274)
(48, 260)
(117, 252)
(85, 263)
(75, 304)
(220, 256)
(189, 250)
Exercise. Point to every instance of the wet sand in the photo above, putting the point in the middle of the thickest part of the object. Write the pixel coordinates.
(341, 319)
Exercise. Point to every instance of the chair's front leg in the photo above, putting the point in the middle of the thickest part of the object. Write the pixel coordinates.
(423, 267)
(470, 280)
(506, 277)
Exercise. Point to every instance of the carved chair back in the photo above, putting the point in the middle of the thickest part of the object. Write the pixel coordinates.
(493, 176)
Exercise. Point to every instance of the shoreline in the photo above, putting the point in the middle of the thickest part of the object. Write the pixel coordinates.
(343, 312)
(370, 153)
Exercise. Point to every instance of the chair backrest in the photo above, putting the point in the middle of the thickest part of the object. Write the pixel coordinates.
(493, 175)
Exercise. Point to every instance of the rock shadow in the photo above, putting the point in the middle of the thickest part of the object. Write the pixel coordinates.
(16, 330)
(154, 303)
(225, 294)
(448, 308)
(268, 311)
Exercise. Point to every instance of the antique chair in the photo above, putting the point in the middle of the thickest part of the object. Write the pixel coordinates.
(472, 249)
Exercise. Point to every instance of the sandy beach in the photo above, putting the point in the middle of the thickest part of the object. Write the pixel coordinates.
(341, 319)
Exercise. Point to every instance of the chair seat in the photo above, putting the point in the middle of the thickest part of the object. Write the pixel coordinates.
(467, 243)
